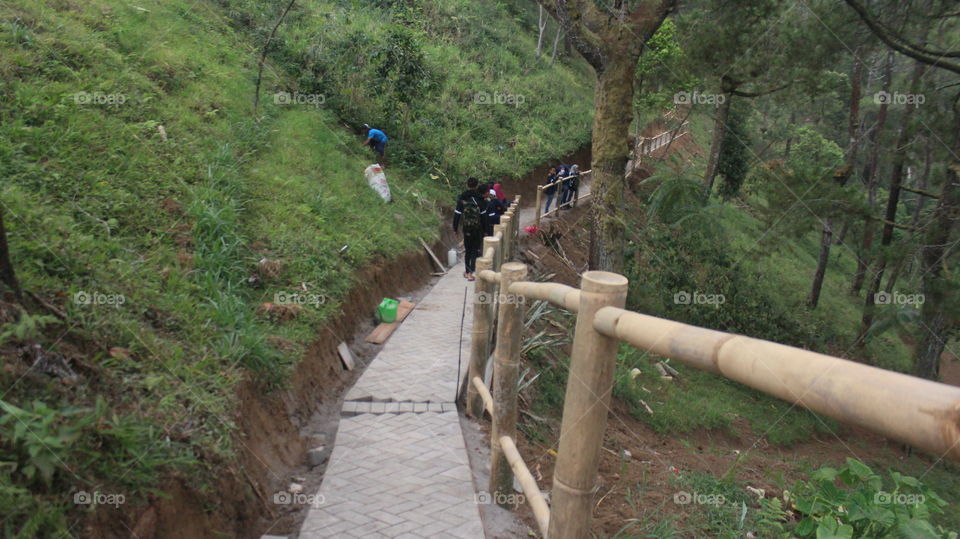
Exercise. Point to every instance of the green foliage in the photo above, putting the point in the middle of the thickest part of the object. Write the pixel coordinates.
(851, 502)
(26, 327)
(733, 164)
(40, 438)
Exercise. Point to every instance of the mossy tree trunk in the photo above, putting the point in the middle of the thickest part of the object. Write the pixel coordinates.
(610, 38)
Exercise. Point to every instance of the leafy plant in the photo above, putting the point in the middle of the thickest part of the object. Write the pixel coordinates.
(40, 438)
(851, 502)
(25, 327)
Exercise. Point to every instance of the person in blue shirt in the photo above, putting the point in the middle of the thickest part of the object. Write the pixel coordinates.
(376, 139)
(550, 190)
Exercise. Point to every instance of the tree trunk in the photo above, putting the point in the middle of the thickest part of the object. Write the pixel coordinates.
(7, 275)
(935, 290)
(611, 125)
(789, 144)
(919, 202)
(556, 41)
(893, 200)
(826, 236)
(716, 145)
(870, 178)
(541, 26)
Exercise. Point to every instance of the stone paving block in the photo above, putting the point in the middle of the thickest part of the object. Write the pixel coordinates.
(395, 471)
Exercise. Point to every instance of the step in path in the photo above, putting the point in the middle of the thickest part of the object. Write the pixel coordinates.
(399, 465)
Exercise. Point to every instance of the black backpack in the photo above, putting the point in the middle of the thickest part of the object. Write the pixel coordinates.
(472, 220)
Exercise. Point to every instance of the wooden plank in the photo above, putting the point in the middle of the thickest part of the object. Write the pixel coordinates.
(383, 331)
(345, 356)
(433, 256)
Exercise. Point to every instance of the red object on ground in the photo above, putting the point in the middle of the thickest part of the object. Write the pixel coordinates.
(532, 230)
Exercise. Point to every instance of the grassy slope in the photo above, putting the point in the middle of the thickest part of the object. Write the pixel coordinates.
(95, 201)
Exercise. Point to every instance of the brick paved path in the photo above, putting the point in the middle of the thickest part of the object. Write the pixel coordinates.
(399, 465)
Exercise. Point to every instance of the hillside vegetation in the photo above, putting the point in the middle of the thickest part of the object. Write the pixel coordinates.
(140, 190)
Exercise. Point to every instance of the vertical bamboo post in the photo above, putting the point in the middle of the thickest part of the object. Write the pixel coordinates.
(498, 248)
(507, 244)
(506, 370)
(492, 241)
(536, 209)
(480, 336)
(585, 407)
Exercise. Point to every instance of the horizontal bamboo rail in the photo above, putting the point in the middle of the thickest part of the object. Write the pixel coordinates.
(922, 413)
(561, 295)
(484, 394)
(541, 511)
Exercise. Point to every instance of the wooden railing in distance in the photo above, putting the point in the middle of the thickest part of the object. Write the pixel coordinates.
(922, 413)
(556, 184)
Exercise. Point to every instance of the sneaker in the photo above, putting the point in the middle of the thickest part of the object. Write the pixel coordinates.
(470, 277)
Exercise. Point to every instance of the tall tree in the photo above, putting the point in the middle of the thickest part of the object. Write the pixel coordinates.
(870, 179)
(850, 159)
(7, 275)
(610, 37)
(939, 288)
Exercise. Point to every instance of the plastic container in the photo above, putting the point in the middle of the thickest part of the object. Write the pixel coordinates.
(387, 311)
(452, 257)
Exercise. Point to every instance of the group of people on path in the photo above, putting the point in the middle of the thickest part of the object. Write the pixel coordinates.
(567, 177)
(478, 209)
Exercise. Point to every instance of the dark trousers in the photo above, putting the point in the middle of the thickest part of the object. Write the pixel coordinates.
(471, 248)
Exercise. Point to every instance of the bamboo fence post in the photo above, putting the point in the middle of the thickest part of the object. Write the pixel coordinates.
(498, 247)
(480, 337)
(585, 408)
(506, 368)
(507, 243)
(536, 208)
(492, 242)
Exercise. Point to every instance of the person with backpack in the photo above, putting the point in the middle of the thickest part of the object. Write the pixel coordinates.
(550, 189)
(470, 217)
(377, 140)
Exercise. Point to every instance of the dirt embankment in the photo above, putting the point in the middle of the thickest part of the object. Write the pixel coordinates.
(275, 428)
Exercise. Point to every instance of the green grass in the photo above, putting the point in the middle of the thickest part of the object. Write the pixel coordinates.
(96, 202)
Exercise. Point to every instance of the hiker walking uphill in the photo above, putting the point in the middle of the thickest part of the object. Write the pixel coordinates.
(470, 216)
(377, 140)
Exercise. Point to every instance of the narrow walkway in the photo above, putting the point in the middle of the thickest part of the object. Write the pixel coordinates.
(399, 466)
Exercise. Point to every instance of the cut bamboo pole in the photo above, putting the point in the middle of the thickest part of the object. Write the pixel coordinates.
(585, 407)
(479, 335)
(498, 252)
(921, 413)
(529, 485)
(537, 208)
(506, 370)
(507, 237)
(561, 295)
(483, 393)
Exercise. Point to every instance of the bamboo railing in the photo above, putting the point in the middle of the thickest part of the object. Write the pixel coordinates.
(919, 412)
